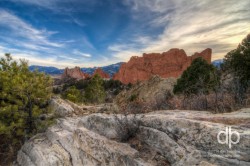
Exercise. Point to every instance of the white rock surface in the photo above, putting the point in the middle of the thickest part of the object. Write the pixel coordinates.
(180, 137)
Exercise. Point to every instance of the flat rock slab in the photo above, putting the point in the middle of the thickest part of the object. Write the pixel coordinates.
(179, 137)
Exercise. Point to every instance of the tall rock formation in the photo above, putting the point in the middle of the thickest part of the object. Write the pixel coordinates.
(168, 64)
(73, 73)
(101, 73)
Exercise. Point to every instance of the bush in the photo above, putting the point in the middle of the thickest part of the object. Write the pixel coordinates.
(94, 92)
(73, 94)
(128, 126)
(56, 90)
(133, 97)
(81, 84)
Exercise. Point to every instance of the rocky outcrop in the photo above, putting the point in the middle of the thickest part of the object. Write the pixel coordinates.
(168, 64)
(65, 108)
(153, 91)
(169, 137)
(101, 73)
(73, 73)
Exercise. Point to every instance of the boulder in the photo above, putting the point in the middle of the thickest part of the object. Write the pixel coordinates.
(167, 64)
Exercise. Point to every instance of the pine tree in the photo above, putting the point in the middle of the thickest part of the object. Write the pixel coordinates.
(95, 92)
(199, 77)
(237, 64)
(23, 97)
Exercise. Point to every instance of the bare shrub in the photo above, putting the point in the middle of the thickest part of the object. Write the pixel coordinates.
(127, 126)
(165, 101)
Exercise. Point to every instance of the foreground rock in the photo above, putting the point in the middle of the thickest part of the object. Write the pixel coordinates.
(168, 64)
(164, 138)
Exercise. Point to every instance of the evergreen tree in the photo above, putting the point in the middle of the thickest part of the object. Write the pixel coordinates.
(95, 92)
(199, 77)
(23, 97)
(237, 64)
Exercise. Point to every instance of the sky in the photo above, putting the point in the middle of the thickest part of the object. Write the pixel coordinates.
(87, 33)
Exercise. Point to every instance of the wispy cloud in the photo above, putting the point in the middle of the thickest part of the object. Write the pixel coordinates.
(61, 5)
(20, 28)
(50, 4)
(192, 25)
(60, 61)
(79, 53)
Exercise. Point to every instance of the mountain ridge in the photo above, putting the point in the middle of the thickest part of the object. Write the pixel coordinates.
(110, 69)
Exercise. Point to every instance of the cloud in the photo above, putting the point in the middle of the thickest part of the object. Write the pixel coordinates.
(48, 4)
(78, 22)
(20, 28)
(191, 25)
(77, 52)
(66, 6)
(60, 61)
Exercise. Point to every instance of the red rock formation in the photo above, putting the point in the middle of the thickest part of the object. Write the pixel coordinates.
(73, 73)
(86, 75)
(101, 73)
(168, 64)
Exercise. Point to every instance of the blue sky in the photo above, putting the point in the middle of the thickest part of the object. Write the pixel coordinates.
(100, 32)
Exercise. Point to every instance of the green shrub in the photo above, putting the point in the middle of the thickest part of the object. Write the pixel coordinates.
(73, 95)
(95, 92)
(133, 97)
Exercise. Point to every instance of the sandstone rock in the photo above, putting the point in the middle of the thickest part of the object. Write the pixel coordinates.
(74, 73)
(168, 64)
(86, 75)
(101, 73)
(180, 137)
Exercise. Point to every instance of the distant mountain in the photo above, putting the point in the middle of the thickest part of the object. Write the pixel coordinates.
(46, 69)
(217, 63)
(110, 69)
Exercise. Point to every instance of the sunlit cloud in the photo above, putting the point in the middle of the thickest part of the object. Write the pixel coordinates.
(88, 33)
(193, 26)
